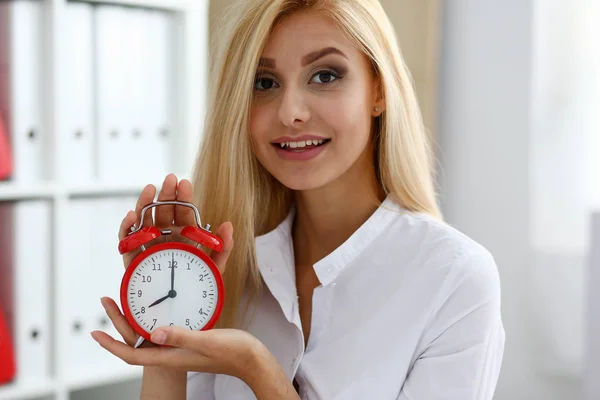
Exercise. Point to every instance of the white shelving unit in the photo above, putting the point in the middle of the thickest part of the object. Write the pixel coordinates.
(83, 216)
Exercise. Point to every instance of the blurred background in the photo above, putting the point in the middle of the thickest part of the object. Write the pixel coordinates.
(99, 98)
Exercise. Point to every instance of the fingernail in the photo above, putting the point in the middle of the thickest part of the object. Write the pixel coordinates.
(103, 302)
(93, 335)
(159, 337)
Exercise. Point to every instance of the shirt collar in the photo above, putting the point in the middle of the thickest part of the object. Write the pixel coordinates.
(329, 267)
(275, 252)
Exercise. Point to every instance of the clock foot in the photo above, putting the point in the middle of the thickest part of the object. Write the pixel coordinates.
(139, 342)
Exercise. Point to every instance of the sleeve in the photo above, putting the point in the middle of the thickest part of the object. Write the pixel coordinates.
(463, 346)
(200, 386)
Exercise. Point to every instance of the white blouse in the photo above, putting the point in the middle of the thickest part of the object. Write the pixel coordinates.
(408, 308)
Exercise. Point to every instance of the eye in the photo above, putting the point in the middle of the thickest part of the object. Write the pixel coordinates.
(325, 77)
(262, 84)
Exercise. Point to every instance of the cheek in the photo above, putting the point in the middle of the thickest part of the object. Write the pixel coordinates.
(259, 124)
(350, 119)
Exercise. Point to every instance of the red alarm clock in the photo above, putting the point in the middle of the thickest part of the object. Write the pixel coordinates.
(171, 283)
(7, 354)
(6, 164)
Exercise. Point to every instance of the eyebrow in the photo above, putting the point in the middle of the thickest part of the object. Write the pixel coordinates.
(307, 59)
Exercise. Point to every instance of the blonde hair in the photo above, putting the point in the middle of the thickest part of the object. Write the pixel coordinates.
(229, 182)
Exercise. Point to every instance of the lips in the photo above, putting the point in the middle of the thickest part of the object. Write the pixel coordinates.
(303, 153)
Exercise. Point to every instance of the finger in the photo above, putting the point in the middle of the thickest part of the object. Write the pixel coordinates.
(165, 214)
(225, 232)
(179, 337)
(170, 357)
(145, 198)
(185, 215)
(146, 356)
(119, 321)
(126, 224)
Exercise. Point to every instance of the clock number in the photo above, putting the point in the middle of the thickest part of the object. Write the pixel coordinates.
(188, 268)
(153, 323)
(154, 267)
(143, 310)
(171, 264)
(201, 278)
(139, 293)
(171, 324)
(146, 279)
(201, 311)
(204, 294)
(187, 321)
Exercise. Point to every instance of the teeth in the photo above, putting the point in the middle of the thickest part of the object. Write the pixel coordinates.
(301, 144)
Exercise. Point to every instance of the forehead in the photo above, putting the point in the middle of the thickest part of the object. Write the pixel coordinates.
(303, 32)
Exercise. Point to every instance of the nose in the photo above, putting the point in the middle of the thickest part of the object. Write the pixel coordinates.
(293, 109)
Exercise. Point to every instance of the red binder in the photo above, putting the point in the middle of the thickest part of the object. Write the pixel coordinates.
(6, 163)
(7, 353)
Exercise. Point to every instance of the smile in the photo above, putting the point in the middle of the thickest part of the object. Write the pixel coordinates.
(302, 145)
(303, 150)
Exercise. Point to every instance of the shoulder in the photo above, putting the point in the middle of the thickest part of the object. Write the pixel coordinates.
(443, 254)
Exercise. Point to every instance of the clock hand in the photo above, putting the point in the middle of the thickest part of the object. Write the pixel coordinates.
(159, 301)
(172, 271)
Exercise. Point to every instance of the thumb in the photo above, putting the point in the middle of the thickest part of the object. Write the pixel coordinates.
(225, 232)
(174, 336)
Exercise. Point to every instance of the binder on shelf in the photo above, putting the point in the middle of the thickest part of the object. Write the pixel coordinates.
(25, 265)
(591, 384)
(135, 93)
(94, 269)
(6, 163)
(159, 97)
(7, 353)
(78, 75)
(116, 153)
(22, 67)
(137, 66)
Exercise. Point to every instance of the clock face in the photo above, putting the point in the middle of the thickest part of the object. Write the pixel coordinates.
(172, 287)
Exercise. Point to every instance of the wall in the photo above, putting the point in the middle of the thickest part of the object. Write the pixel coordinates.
(518, 126)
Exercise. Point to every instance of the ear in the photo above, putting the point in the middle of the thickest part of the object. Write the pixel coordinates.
(378, 97)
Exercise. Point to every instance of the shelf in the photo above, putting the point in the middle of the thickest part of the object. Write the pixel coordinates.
(10, 191)
(14, 391)
(102, 189)
(90, 379)
(174, 5)
(19, 191)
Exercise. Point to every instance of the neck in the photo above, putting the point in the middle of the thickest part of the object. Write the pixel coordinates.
(326, 217)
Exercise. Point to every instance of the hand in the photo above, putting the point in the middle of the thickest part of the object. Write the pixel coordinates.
(166, 217)
(219, 351)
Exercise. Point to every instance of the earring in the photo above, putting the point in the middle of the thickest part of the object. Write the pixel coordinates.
(377, 109)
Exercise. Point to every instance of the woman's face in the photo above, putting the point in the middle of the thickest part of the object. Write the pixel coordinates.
(314, 101)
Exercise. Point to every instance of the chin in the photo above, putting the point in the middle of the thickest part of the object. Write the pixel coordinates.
(303, 181)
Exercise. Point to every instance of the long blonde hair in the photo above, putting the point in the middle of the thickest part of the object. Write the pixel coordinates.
(229, 182)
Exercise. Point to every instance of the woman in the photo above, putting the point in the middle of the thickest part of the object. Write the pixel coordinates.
(343, 283)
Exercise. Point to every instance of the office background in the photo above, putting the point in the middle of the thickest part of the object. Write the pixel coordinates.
(98, 99)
